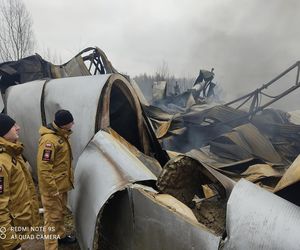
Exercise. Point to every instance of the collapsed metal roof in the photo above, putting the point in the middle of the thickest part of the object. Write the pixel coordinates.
(129, 194)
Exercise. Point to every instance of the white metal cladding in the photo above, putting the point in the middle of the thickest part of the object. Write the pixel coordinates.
(81, 96)
(105, 167)
(159, 227)
(258, 219)
(23, 105)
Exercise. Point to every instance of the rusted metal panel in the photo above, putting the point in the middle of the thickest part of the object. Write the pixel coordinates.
(258, 219)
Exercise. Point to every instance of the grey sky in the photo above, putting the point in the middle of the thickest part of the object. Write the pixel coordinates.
(248, 42)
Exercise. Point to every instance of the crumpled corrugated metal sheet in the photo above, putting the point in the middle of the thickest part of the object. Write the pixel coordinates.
(243, 142)
(277, 127)
(178, 103)
(163, 122)
(75, 67)
(201, 124)
(252, 169)
(219, 113)
(258, 172)
(257, 219)
(195, 128)
(90, 61)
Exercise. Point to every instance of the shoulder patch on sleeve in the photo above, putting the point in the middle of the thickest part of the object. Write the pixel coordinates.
(1, 184)
(47, 155)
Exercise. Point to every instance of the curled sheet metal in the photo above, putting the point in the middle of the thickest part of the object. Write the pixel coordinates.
(151, 163)
(291, 176)
(105, 167)
(258, 219)
(139, 92)
(87, 97)
(23, 104)
(78, 94)
(134, 219)
(289, 184)
(81, 96)
(259, 172)
(168, 229)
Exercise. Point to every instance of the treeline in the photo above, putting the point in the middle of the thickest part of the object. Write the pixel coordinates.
(146, 82)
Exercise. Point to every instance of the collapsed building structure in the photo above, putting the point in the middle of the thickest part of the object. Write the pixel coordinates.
(224, 135)
(132, 194)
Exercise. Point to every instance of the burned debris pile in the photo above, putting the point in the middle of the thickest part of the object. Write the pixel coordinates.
(90, 61)
(171, 175)
(260, 144)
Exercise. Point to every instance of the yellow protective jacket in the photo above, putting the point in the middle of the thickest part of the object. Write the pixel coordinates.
(54, 161)
(18, 199)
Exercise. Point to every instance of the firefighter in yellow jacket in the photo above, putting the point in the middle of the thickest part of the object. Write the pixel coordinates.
(18, 200)
(55, 176)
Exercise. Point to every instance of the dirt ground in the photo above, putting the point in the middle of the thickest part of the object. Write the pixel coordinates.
(212, 213)
(39, 244)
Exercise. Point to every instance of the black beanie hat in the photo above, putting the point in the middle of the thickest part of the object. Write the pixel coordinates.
(6, 123)
(63, 117)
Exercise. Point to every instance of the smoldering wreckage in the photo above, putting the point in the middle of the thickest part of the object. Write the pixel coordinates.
(140, 182)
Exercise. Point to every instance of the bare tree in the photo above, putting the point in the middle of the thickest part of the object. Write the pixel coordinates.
(51, 56)
(16, 34)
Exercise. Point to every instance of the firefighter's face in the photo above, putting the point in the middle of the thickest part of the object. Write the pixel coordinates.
(13, 134)
(68, 126)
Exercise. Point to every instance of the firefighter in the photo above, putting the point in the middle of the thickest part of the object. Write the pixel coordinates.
(18, 199)
(55, 174)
